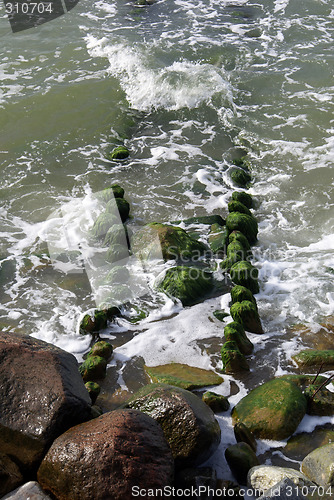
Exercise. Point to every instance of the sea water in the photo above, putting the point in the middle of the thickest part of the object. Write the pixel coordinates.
(187, 86)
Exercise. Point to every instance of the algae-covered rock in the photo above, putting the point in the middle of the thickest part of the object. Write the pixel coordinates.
(189, 425)
(220, 314)
(240, 177)
(118, 274)
(318, 465)
(93, 390)
(114, 191)
(218, 239)
(216, 402)
(203, 219)
(103, 223)
(243, 435)
(92, 323)
(188, 284)
(241, 238)
(319, 401)
(244, 223)
(245, 274)
(116, 234)
(273, 410)
(102, 348)
(235, 332)
(121, 205)
(117, 253)
(119, 153)
(300, 445)
(169, 242)
(241, 458)
(93, 368)
(237, 206)
(233, 360)
(240, 293)
(244, 198)
(184, 376)
(303, 381)
(312, 359)
(246, 313)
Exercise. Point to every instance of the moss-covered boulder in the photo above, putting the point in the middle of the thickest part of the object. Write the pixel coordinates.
(318, 465)
(237, 206)
(235, 332)
(119, 153)
(188, 284)
(319, 401)
(245, 274)
(244, 198)
(93, 390)
(246, 313)
(243, 435)
(233, 360)
(240, 177)
(169, 242)
(220, 314)
(118, 274)
(300, 445)
(188, 424)
(218, 239)
(114, 191)
(216, 402)
(273, 410)
(102, 348)
(93, 368)
(184, 376)
(202, 219)
(304, 381)
(240, 293)
(241, 238)
(121, 205)
(116, 253)
(311, 359)
(117, 234)
(241, 458)
(93, 323)
(244, 223)
(103, 223)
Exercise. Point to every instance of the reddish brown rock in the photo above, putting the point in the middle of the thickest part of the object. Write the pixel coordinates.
(106, 457)
(41, 395)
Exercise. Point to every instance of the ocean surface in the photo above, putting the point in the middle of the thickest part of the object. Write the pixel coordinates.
(187, 86)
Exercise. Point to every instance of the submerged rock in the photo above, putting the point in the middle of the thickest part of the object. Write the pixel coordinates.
(318, 465)
(216, 402)
(246, 313)
(273, 410)
(244, 223)
(188, 284)
(244, 274)
(240, 177)
(184, 376)
(114, 191)
(244, 198)
(233, 360)
(93, 323)
(189, 425)
(235, 332)
(241, 458)
(106, 457)
(119, 153)
(312, 359)
(41, 395)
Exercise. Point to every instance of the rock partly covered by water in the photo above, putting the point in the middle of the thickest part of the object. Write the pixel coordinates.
(246, 313)
(318, 465)
(273, 410)
(41, 395)
(106, 457)
(184, 376)
(235, 332)
(245, 274)
(189, 425)
(233, 360)
(241, 458)
(312, 359)
(244, 223)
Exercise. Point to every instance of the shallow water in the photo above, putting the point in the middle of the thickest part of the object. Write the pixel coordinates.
(187, 86)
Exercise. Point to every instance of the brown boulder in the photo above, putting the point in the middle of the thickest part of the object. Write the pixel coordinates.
(10, 476)
(41, 395)
(106, 457)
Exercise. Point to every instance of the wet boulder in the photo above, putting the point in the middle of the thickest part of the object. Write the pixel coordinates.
(93, 368)
(240, 293)
(106, 457)
(320, 401)
(244, 223)
(233, 360)
(239, 237)
(41, 395)
(273, 410)
(246, 313)
(216, 402)
(240, 177)
(93, 322)
(114, 191)
(245, 274)
(10, 475)
(237, 206)
(244, 198)
(189, 425)
(312, 359)
(93, 390)
(235, 332)
(218, 239)
(102, 348)
(184, 376)
(118, 153)
(243, 435)
(241, 458)
(188, 284)
(318, 465)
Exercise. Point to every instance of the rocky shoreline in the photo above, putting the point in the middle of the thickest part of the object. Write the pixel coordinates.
(53, 431)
